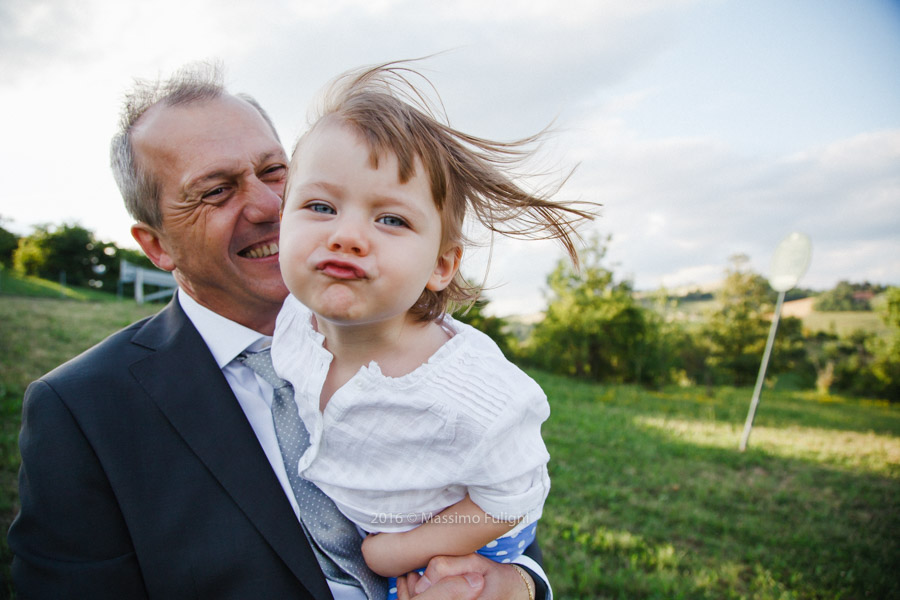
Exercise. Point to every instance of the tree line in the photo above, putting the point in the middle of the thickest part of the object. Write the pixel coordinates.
(68, 253)
(597, 328)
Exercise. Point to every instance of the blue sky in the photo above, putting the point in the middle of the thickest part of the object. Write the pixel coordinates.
(706, 128)
(779, 76)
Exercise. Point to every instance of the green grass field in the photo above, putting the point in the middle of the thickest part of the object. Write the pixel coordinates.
(650, 497)
(13, 284)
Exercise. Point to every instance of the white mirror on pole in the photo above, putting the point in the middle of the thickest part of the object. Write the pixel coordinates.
(789, 264)
(790, 261)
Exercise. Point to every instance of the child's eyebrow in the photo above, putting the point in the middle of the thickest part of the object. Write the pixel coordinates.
(310, 186)
(409, 205)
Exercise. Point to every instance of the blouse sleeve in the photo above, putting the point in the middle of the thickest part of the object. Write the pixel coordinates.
(506, 474)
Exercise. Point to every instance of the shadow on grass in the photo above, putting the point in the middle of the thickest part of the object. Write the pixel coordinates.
(638, 511)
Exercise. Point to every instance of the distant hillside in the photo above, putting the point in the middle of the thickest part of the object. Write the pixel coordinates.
(841, 323)
(798, 308)
(844, 323)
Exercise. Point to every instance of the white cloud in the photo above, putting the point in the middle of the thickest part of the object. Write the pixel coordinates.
(700, 276)
(694, 154)
(671, 202)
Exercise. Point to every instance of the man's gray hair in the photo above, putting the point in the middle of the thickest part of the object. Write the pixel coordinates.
(196, 82)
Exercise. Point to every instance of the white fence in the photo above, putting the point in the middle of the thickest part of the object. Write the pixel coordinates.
(129, 273)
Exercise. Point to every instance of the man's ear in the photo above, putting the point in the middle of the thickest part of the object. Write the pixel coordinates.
(446, 267)
(149, 240)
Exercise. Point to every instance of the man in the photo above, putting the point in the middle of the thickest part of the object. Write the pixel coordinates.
(150, 464)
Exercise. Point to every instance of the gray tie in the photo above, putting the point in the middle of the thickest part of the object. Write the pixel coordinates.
(336, 540)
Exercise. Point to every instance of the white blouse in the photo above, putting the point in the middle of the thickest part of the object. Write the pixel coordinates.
(394, 451)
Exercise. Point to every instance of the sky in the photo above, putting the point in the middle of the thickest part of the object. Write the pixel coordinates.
(705, 128)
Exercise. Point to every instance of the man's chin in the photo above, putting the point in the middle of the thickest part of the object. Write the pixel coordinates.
(273, 289)
(262, 278)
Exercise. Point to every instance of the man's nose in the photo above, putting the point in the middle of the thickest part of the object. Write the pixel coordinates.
(263, 203)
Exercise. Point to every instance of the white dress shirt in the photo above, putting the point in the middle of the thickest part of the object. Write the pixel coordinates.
(392, 452)
(226, 340)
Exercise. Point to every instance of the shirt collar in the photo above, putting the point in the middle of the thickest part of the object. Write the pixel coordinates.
(225, 338)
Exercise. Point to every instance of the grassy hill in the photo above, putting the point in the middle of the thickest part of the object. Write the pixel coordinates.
(650, 497)
(844, 323)
(841, 323)
(12, 284)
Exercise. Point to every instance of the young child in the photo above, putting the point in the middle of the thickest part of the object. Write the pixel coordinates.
(420, 430)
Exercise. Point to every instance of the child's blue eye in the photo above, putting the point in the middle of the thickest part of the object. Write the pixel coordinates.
(392, 221)
(320, 207)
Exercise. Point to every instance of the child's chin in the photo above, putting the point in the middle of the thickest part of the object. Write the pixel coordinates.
(341, 307)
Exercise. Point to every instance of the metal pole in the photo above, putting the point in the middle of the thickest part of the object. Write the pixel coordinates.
(762, 373)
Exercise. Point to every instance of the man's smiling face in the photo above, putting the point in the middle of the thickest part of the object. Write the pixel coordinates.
(221, 172)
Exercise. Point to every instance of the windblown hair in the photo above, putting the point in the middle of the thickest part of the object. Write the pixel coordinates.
(196, 82)
(468, 175)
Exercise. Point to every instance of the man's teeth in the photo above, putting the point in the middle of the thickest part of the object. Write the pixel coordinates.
(263, 251)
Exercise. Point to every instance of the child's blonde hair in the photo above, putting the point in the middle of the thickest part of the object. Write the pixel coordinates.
(467, 174)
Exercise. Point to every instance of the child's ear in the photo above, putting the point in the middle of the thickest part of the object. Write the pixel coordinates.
(446, 267)
(149, 240)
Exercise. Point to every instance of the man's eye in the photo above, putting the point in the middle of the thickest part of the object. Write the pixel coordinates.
(274, 172)
(392, 221)
(214, 193)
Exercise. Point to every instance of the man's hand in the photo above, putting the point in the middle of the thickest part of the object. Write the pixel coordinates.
(457, 587)
(464, 577)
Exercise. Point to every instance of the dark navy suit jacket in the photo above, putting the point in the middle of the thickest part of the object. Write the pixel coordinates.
(141, 478)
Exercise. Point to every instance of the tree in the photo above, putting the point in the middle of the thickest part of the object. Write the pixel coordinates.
(886, 349)
(848, 296)
(135, 257)
(736, 333)
(593, 327)
(863, 363)
(30, 255)
(790, 354)
(493, 327)
(70, 252)
(674, 353)
(8, 244)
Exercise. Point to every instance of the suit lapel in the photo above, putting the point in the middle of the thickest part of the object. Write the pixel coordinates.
(189, 388)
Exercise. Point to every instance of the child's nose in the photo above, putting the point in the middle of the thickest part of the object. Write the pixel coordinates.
(349, 237)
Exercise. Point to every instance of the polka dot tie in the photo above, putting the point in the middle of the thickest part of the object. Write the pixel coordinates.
(336, 540)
